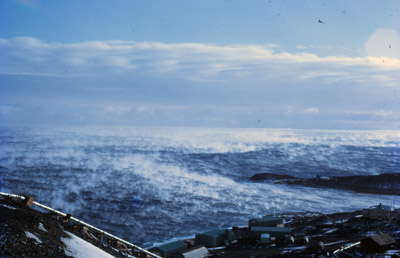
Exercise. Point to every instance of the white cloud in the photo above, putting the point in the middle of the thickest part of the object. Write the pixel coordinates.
(312, 110)
(375, 113)
(117, 109)
(139, 108)
(25, 55)
(383, 113)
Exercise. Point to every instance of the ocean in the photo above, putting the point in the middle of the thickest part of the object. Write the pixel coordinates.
(153, 184)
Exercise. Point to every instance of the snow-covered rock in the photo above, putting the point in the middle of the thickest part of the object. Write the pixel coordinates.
(79, 248)
(34, 237)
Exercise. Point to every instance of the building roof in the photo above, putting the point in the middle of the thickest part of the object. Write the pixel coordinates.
(177, 245)
(270, 229)
(383, 239)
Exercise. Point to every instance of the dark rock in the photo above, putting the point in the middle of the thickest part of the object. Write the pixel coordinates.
(377, 184)
(270, 177)
(18, 221)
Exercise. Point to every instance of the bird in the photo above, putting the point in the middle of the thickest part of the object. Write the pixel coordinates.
(321, 21)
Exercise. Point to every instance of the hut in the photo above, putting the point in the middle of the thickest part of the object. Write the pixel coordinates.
(256, 232)
(377, 243)
(215, 238)
(379, 212)
(198, 251)
(167, 250)
(266, 221)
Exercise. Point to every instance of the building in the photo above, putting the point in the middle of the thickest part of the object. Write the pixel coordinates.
(381, 212)
(377, 243)
(215, 238)
(266, 221)
(256, 232)
(168, 250)
(198, 251)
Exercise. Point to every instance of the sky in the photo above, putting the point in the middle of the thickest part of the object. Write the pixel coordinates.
(321, 64)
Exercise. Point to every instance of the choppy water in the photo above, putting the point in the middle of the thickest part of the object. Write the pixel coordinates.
(152, 184)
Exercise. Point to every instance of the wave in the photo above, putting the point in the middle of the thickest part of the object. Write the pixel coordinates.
(163, 183)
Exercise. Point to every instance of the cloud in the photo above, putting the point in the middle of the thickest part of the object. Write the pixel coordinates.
(301, 47)
(374, 113)
(311, 111)
(153, 83)
(117, 109)
(193, 61)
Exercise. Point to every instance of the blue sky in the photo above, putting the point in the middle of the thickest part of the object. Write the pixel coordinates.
(276, 64)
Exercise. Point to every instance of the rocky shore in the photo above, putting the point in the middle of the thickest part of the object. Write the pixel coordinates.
(387, 184)
(371, 232)
(26, 232)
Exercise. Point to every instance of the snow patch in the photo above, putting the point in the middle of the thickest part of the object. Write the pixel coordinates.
(30, 235)
(9, 207)
(77, 247)
(41, 227)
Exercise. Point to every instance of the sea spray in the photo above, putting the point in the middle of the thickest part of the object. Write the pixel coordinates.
(153, 184)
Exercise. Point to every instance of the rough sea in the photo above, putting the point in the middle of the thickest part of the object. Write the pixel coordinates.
(151, 185)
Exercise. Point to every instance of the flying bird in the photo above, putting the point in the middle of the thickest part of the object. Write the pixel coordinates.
(321, 21)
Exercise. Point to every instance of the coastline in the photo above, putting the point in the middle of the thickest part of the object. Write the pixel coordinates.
(29, 233)
(385, 184)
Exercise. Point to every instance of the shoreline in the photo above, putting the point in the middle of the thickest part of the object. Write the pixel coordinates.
(383, 184)
(306, 234)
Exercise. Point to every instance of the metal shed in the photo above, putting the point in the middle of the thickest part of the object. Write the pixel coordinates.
(256, 232)
(215, 238)
(377, 243)
(267, 221)
(198, 251)
(169, 249)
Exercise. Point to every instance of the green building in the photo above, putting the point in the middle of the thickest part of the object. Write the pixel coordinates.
(267, 221)
(215, 238)
(167, 250)
(256, 232)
